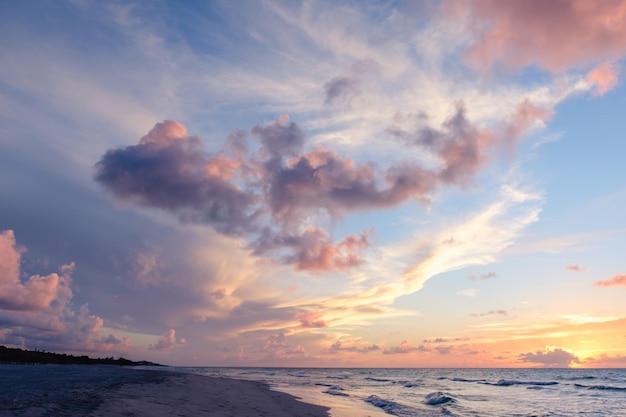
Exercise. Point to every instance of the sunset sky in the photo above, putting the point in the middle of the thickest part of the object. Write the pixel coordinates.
(315, 183)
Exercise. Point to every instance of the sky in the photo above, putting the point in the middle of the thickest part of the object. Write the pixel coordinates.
(315, 183)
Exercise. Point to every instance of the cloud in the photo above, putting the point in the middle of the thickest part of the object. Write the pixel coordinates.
(404, 347)
(604, 77)
(311, 319)
(516, 34)
(338, 347)
(492, 313)
(38, 312)
(470, 292)
(606, 361)
(276, 346)
(552, 357)
(487, 275)
(167, 340)
(341, 88)
(575, 268)
(313, 250)
(38, 292)
(172, 172)
(615, 281)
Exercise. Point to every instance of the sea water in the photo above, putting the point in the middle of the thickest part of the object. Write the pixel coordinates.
(447, 392)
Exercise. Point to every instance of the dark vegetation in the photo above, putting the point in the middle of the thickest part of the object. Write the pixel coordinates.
(21, 356)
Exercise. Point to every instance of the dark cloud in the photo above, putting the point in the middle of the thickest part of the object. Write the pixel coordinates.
(553, 358)
(176, 175)
(265, 193)
(341, 88)
(278, 139)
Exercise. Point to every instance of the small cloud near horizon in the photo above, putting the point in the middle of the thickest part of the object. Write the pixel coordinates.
(615, 281)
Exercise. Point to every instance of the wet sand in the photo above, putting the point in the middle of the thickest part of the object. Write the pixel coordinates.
(110, 391)
(195, 395)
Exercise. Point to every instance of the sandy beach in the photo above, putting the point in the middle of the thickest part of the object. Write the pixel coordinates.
(194, 395)
(111, 391)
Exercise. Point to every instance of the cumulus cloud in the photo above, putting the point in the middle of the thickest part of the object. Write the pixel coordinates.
(167, 340)
(174, 173)
(515, 34)
(266, 192)
(552, 357)
(615, 281)
(38, 312)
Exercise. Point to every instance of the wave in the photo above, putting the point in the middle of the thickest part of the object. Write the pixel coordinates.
(369, 378)
(510, 382)
(336, 390)
(601, 387)
(390, 407)
(437, 398)
(482, 381)
(577, 378)
(400, 410)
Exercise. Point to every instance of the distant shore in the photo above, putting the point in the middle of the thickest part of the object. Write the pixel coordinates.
(23, 356)
(105, 391)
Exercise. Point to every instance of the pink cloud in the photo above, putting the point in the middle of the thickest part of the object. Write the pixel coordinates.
(37, 292)
(37, 312)
(525, 117)
(616, 281)
(574, 268)
(167, 340)
(311, 319)
(162, 134)
(555, 35)
(604, 77)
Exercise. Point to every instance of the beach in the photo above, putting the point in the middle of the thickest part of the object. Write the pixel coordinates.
(109, 391)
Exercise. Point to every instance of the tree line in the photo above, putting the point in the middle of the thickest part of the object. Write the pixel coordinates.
(22, 356)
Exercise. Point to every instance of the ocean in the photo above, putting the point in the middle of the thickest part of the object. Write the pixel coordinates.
(447, 392)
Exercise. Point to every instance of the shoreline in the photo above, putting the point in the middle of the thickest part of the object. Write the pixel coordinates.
(190, 395)
(105, 391)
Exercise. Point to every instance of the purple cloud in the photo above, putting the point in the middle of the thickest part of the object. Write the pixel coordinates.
(554, 358)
